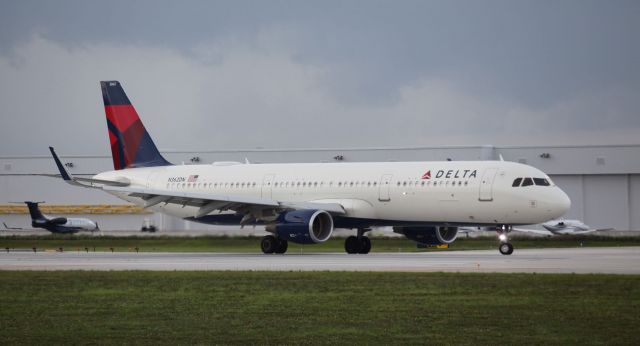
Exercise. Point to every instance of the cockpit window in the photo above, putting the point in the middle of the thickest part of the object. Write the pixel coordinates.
(516, 182)
(527, 182)
(541, 181)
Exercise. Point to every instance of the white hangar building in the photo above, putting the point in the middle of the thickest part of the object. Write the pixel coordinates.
(602, 181)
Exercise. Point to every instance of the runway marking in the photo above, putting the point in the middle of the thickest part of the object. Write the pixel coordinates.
(620, 260)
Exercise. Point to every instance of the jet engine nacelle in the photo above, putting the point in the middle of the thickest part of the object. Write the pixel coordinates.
(303, 226)
(429, 235)
(44, 222)
(58, 221)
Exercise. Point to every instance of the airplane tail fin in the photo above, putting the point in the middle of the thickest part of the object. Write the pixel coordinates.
(131, 145)
(34, 210)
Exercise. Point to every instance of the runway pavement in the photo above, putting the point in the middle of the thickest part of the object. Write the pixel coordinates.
(623, 260)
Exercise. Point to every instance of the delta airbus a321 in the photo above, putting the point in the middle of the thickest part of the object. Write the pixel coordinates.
(304, 203)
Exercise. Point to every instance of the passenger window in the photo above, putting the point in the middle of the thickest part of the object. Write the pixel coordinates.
(516, 182)
(541, 181)
(527, 182)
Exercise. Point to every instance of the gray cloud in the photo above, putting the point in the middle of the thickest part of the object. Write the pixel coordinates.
(289, 74)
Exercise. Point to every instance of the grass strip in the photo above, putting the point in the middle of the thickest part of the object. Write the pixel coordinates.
(316, 308)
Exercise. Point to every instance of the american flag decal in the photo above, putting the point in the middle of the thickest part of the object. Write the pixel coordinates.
(192, 179)
(427, 175)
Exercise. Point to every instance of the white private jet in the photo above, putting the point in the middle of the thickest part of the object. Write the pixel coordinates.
(562, 227)
(303, 203)
(56, 224)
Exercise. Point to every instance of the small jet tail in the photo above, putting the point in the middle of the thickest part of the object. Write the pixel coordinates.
(131, 145)
(34, 210)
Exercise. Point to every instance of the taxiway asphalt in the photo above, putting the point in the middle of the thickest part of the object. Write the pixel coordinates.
(620, 260)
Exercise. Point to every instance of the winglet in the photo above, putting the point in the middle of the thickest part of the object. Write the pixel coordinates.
(63, 171)
(501, 158)
(88, 182)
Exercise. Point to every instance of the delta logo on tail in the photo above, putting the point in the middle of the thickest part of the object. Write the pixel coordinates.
(131, 145)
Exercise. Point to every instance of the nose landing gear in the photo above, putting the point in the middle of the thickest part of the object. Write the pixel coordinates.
(505, 247)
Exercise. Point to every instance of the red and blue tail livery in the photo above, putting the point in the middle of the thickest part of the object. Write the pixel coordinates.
(131, 145)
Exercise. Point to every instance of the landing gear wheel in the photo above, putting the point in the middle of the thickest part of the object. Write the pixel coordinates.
(269, 244)
(365, 245)
(506, 248)
(282, 246)
(352, 245)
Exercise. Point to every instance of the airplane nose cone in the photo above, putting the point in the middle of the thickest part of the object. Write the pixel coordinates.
(563, 203)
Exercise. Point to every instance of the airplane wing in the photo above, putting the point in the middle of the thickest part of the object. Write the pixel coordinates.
(209, 202)
(535, 231)
(11, 228)
(74, 179)
(576, 232)
(251, 207)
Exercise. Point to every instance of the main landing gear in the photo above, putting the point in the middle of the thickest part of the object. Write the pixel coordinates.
(358, 244)
(505, 247)
(271, 244)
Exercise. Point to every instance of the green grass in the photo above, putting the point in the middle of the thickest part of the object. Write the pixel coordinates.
(316, 308)
(252, 244)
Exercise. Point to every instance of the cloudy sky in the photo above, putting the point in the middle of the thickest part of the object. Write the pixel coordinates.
(321, 74)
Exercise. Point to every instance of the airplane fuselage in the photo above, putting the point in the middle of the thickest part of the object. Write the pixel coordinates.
(372, 194)
(71, 225)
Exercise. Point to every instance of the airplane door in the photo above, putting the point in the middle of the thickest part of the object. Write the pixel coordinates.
(486, 184)
(383, 188)
(267, 185)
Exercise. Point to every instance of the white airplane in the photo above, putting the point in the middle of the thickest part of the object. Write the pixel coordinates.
(303, 203)
(562, 227)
